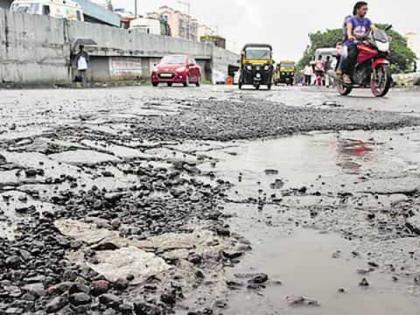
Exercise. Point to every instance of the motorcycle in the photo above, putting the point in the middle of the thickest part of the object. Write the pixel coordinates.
(372, 68)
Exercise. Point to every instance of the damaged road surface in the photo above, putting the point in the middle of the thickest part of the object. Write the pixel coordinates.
(207, 201)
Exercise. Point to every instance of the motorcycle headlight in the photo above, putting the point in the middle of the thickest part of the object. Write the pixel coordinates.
(249, 67)
(384, 47)
(180, 69)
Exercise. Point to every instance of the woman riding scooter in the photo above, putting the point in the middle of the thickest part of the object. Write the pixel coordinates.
(358, 28)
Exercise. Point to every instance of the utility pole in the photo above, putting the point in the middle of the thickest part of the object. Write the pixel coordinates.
(135, 9)
(188, 5)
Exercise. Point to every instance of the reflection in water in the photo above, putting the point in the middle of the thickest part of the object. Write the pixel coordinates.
(307, 262)
(351, 153)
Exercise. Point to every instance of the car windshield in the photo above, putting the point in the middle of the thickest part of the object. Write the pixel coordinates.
(258, 53)
(26, 7)
(380, 36)
(173, 60)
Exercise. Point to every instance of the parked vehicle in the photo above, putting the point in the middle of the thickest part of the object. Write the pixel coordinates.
(372, 68)
(256, 66)
(146, 25)
(285, 73)
(180, 69)
(62, 9)
(236, 77)
(325, 53)
(218, 77)
(151, 25)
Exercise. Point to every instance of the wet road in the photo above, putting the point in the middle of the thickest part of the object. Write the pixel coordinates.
(316, 240)
(324, 195)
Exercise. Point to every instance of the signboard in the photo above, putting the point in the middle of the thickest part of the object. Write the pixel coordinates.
(125, 68)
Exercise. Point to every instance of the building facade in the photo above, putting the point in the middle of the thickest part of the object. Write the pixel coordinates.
(205, 30)
(182, 25)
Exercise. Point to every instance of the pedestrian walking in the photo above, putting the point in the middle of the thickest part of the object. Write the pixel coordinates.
(307, 72)
(328, 67)
(82, 64)
(319, 71)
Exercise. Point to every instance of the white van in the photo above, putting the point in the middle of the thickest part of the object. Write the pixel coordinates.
(60, 9)
(327, 52)
(147, 25)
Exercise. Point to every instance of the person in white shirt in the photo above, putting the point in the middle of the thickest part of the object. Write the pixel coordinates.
(82, 64)
(307, 72)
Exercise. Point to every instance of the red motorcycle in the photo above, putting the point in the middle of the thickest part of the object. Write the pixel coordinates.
(372, 68)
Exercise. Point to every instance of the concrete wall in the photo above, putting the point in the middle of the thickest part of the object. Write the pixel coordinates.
(222, 58)
(32, 49)
(407, 79)
(36, 50)
(133, 43)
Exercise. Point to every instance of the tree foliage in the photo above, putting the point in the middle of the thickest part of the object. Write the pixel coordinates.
(402, 57)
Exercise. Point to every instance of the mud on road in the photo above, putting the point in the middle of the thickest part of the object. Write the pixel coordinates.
(108, 207)
(249, 118)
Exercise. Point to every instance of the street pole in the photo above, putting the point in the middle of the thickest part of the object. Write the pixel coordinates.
(135, 9)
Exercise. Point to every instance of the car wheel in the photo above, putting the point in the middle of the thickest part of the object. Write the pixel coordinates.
(169, 84)
(198, 82)
(187, 81)
(155, 84)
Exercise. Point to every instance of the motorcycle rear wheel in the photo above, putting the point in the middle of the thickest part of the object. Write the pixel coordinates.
(380, 82)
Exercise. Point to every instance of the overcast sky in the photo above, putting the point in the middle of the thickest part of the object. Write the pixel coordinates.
(284, 23)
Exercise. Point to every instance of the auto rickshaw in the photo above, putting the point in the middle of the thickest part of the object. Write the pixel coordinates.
(256, 66)
(285, 73)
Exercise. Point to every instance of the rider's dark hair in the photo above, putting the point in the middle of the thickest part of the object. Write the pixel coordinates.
(358, 5)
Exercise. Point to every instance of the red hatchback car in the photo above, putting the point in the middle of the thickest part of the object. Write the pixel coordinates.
(176, 69)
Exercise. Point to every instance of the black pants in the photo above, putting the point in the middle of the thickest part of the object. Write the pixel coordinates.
(308, 80)
(83, 77)
(350, 62)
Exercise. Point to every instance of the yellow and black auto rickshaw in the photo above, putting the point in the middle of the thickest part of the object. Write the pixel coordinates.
(285, 73)
(256, 66)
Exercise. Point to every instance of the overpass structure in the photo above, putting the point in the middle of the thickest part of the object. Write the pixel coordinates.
(92, 12)
(96, 14)
(38, 50)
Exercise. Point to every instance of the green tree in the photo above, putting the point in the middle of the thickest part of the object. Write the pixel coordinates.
(402, 57)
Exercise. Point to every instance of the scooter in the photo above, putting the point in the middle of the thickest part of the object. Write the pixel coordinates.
(372, 68)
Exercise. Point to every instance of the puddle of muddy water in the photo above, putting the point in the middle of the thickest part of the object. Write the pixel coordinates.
(303, 261)
(329, 159)
(328, 163)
